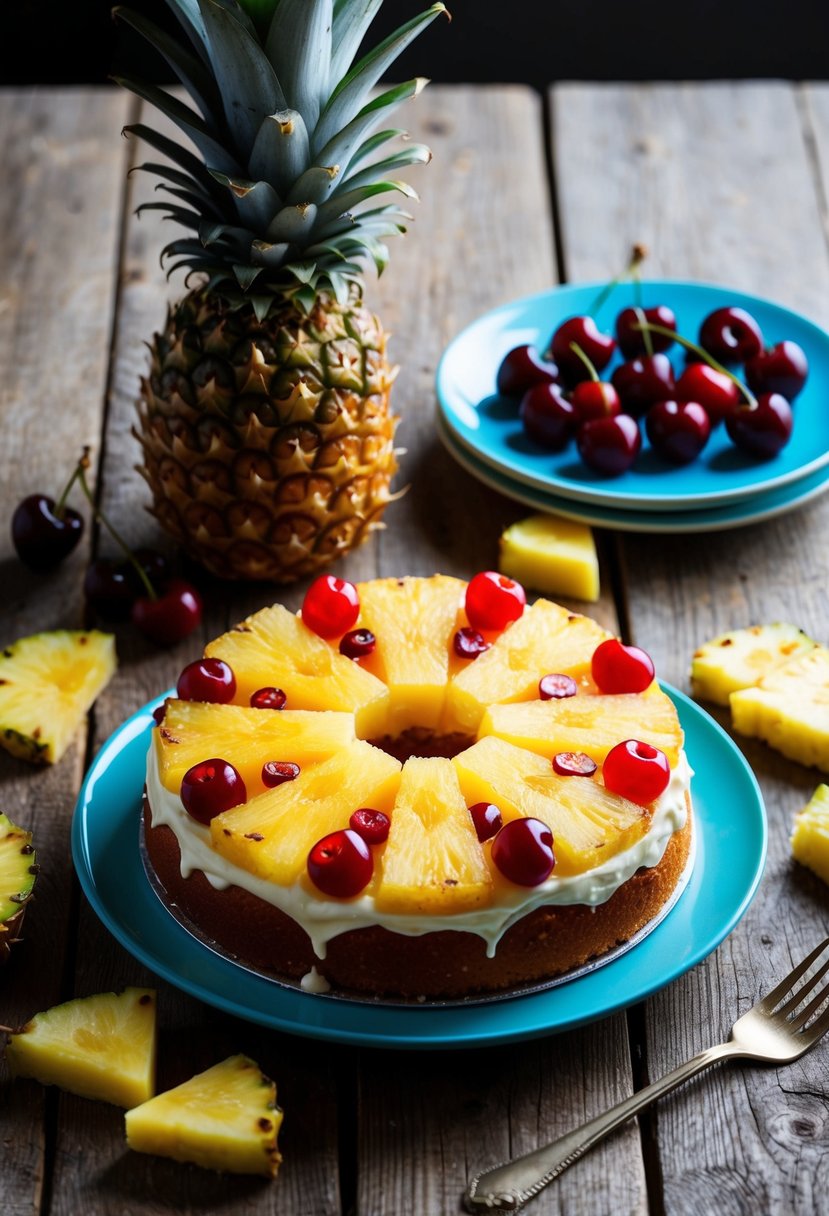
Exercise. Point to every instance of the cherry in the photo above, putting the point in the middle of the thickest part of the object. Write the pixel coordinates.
(629, 337)
(277, 772)
(782, 368)
(717, 393)
(468, 643)
(617, 668)
(547, 416)
(556, 686)
(574, 764)
(731, 335)
(341, 864)
(678, 430)
(372, 825)
(331, 606)
(268, 698)
(487, 820)
(358, 643)
(636, 771)
(171, 616)
(522, 368)
(154, 564)
(761, 429)
(108, 590)
(44, 534)
(159, 712)
(585, 333)
(609, 445)
(643, 381)
(523, 852)
(211, 787)
(207, 680)
(493, 601)
(595, 399)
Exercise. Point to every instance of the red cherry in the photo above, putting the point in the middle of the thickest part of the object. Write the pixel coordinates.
(277, 772)
(547, 416)
(268, 698)
(207, 680)
(585, 333)
(341, 864)
(154, 564)
(574, 764)
(521, 369)
(358, 643)
(108, 591)
(731, 335)
(42, 538)
(595, 399)
(609, 445)
(641, 382)
(372, 825)
(717, 394)
(468, 643)
(494, 601)
(523, 852)
(159, 712)
(618, 668)
(211, 787)
(779, 369)
(631, 340)
(556, 686)
(487, 819)
(636, 771)
(763, 429)
(331, 606)
(678, 430)
(172, 616)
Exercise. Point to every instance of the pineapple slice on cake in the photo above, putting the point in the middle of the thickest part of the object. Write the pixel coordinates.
(810, 837)
(18, 871)
(223, 1119)
(742, 657)
(100, 1046)
(789, 708)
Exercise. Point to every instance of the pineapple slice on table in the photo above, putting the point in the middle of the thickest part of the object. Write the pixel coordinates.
(223, 1119)
(100, 1046)
(274, 648)
(47, 683)
(810, 837)
(588, 822)
(192, 731)
(789, 709)
(18, 872)
(742, 657)
(550, 554)
(433, 861)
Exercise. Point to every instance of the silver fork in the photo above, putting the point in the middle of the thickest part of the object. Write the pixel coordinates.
(775, 1031)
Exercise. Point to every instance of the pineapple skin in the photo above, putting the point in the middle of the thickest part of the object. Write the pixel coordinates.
(810, 837)
(18, 873)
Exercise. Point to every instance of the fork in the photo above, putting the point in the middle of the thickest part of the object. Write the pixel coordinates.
(774, 1031)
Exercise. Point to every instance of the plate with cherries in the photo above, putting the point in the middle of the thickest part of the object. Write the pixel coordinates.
(647, 396)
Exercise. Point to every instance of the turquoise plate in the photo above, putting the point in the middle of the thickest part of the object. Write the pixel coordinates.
(490, 426)
(731, 849)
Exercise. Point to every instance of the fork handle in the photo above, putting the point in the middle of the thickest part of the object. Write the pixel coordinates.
(508, 1187)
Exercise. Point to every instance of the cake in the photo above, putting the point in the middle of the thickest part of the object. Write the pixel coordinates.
(417, 787)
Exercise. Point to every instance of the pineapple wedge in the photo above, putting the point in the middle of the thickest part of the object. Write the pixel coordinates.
(789, 709)
(100, 1046)
(741, 658)
(553, 555)
(18, 871)
(223, 1119)
(433, 861)
(47, 683)
(810, 838)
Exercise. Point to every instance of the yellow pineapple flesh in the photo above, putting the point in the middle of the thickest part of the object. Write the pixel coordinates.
(223, 1119)
(551, 554)
(743, 657)
(789, 709)
(100, 1046)
(18, 872)
(433, 861)
(810, 838)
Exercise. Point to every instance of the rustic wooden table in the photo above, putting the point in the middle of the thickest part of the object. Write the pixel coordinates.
(724, 183)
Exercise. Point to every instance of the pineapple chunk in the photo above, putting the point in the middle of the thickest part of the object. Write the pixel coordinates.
(18, 871)
(433, 861)
(47, 683)
(546, 638)
(810, 838)
(271, 835)
(789, 709)
(741, 658)
(553, 555)
(100, 1046)
(223, 1119)
(588, 822)
(414, 621)
(193, 731)
(587, 724)
(273, 647)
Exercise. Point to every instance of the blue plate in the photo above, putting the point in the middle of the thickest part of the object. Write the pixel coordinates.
(731, 849)
(490, 426)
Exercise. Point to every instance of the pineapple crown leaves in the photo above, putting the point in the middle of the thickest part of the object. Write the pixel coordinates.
(277, 198)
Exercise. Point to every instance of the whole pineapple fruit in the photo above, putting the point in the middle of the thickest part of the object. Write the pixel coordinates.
(265, 424)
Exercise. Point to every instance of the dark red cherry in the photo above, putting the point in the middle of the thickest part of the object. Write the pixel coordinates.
(763, 429)
(277, 772)
(522, 368)
(207, 680)
(159, 712)
(731, 335)
(268, 698)
(331, 606)
(585, 333)
(574, 764)
(108, 590)
(341, 864)
(617, 668)
(42, 538)
(678, 430)
(555, 687)
(641, 382)
(211, 787)
(609, 445)
(782, 368)
(630, 339)
(358, 643)
(494, 601)
(717, 394)
(636, 771)
(523, 852)
(487, 820)
(372, 825)
(595, 399)
(547, 416)
(172, 616)
(468, 643)
(155, 566)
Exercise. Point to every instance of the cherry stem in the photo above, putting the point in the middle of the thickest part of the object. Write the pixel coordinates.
(703, 354)
(61, 503)
(80, 473)
(586, 360)
(644, 328)
(638, 255)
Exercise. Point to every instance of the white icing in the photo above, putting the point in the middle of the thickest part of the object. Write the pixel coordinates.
(314, 982)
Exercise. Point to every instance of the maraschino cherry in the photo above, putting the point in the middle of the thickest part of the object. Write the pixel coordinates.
(493, 601)
(469, 643)
(617, 668)
(207, 680)
(277, 772)
(373, 826)
(523, 852)
(487, 820)
(341, 864)
(268, 698)
(574, 764)
(211, 787)
(358, 644)
(556, 687)
(637, 771)
(331, 606)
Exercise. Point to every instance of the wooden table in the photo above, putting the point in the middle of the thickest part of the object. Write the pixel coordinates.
(724, 183)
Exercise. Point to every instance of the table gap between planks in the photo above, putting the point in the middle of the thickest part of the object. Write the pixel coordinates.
(723, 182)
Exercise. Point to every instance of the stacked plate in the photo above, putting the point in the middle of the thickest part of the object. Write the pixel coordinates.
(723, 488)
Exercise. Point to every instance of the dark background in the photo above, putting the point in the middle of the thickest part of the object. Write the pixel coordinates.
(535, 41)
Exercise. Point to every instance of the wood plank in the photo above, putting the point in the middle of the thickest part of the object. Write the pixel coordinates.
(720, 184)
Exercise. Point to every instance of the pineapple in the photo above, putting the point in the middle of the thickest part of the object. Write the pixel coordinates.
(18, 871)
(223, 1119)
(741, 658)
(264, 422)
(47, 683)
(789, 708)
(100, 1046)
(810, 838)
(551, 554)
